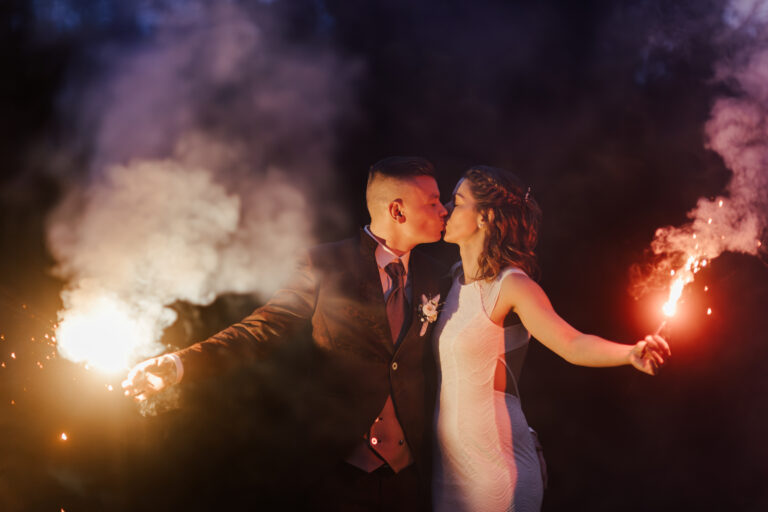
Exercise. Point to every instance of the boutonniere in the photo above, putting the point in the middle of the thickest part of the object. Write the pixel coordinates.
(428, 311)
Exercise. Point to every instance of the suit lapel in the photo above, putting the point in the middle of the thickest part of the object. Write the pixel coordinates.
(370, 291)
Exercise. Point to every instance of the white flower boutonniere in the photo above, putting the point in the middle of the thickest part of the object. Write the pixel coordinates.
(428, 311)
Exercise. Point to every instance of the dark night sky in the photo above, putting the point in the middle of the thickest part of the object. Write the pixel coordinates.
(600, 106)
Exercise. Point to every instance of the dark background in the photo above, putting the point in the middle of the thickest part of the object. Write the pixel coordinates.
(600, 106)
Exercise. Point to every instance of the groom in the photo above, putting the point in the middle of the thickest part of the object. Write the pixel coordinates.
(360, 298)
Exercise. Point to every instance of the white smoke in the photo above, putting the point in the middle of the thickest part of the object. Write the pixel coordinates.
(206, 141)
(738, 131)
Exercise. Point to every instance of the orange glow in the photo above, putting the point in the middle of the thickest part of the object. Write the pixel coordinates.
(106, 334)
(102, 337)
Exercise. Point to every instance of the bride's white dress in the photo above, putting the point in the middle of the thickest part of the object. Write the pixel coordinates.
(486, 456)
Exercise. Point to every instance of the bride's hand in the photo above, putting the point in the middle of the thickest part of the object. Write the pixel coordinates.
(650, 354)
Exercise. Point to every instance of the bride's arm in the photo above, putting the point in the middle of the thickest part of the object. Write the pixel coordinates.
(522, 295)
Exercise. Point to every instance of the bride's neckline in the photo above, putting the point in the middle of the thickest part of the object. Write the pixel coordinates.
(462, 278)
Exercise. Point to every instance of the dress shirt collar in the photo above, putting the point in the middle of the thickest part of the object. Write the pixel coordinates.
(384, 255)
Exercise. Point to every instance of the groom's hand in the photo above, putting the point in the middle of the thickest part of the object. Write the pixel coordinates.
(150, 377)
(650, 354)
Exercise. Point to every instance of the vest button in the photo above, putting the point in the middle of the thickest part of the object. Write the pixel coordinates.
(394, 366)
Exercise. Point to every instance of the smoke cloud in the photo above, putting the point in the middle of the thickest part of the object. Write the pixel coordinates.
(206, 141)
(737, 130)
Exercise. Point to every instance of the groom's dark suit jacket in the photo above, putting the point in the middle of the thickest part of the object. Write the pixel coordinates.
(336, 293)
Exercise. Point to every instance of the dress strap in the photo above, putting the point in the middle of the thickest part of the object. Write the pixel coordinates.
(489, 292)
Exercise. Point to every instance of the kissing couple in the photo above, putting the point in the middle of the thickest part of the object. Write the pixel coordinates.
(435, 352)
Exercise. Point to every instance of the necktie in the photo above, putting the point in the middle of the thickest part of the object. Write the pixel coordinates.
(396, 303)
(386, 437)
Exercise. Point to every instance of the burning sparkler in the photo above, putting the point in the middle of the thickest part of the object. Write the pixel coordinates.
(683, 277)
(107, 335)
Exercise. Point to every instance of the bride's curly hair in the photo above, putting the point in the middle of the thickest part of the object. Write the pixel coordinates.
(512, 217)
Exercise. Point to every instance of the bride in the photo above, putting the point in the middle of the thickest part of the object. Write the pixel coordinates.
(486, 457)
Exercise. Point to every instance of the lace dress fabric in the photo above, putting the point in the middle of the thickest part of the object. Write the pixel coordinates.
(486, 456)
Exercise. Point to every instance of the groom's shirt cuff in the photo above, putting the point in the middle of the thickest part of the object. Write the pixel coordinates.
(179, 367)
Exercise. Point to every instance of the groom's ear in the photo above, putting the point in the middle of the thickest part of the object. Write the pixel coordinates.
(396, 211)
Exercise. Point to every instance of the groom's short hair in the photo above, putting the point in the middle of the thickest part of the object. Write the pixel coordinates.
(401, 167)
(398, 168)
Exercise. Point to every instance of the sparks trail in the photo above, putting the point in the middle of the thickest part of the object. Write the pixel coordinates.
(43, 349)
(10, 302)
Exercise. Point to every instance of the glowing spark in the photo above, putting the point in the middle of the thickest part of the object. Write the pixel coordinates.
(13, 355)
(105, 335)
(759, 243)
(13, 402)
(109, 387)
(694, 236)
(706, 288)
(64, 436)
(709, 311)
(709, 221)
(672, 272)
(720, 203)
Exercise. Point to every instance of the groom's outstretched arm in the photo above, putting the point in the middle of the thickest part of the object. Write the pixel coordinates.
(284, 315)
